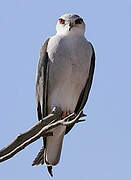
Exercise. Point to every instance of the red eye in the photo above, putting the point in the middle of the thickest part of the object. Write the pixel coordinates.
(61, 21)
(78, 21)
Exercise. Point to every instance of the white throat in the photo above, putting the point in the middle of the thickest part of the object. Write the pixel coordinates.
(73, 32)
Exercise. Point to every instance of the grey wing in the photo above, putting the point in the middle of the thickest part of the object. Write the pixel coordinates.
(42, 93)
(41, 82)
(85, 92)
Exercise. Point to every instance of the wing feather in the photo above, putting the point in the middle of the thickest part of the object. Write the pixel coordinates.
(85, 92)
(41, 82)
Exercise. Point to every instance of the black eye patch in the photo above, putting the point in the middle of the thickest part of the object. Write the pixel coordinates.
(61, 21)
(79, 21)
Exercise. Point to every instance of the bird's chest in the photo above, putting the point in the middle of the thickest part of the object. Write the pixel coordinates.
(68, 55)
(68, 72)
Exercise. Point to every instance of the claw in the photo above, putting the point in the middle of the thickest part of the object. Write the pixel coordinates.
(81, 120)
(83, 115)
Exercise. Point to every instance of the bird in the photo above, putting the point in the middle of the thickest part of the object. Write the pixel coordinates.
(64, 78)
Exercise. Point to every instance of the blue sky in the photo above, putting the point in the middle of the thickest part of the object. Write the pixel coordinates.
(99, 148)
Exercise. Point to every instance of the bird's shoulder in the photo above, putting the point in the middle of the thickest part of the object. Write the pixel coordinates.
(72, 42)
(42, 60)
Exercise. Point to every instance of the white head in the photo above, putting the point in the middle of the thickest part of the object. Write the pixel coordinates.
(70, 24)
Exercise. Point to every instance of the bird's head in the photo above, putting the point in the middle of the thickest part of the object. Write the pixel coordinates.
(70, 24)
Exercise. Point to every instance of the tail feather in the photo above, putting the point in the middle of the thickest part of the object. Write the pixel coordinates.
(50, 170)
(54, 146)
(51, 151)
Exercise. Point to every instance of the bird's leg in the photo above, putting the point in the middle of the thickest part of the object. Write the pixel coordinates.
(64, 113)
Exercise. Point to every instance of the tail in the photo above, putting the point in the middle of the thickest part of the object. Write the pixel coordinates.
(50, 153)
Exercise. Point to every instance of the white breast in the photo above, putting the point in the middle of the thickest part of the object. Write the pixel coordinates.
(68, 70)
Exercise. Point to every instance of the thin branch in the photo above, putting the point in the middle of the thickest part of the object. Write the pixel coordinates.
(20, 139)
(40, 129)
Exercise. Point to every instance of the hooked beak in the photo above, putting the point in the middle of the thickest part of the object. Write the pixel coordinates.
(70, 26)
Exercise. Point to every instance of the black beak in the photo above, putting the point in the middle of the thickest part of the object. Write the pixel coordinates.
(70, 26)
